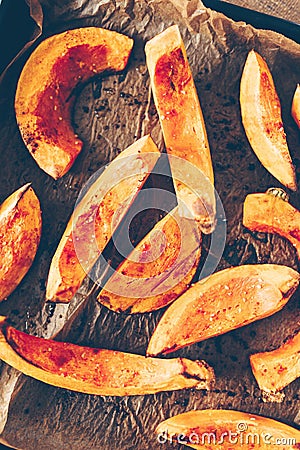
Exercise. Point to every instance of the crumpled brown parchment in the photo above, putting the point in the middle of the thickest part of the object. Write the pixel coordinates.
(109, 115)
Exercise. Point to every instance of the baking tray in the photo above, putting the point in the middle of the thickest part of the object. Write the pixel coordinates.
(52, 418)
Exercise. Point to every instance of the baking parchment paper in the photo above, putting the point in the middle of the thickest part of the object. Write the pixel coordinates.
(109, 115)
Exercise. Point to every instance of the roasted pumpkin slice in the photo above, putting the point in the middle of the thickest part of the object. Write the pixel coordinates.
(296, 106)
(97, 216)
(271, 214)
(183, 127)
(261, 117)
(21, 226)
(45, 91)
(276, 369)
(221, 429)
(158, 270)
(222, 302)
(98, 371)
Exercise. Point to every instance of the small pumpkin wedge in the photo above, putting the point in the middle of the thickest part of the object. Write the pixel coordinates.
(98, 371)
(296, 106)
(183, 126)
(261, 117)
(21, 227)
(271, 214)
(222, 302)
(276, 369)
(221, 429)
(158, 270)
(97, 216)
(45, 91)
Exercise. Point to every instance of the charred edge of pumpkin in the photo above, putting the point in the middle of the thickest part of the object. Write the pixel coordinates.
(164, 351)
(278, 193)
(203, 383)
(25, 189)
(291, 290)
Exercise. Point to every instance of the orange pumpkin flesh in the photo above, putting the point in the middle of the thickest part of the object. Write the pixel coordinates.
(261, 117)
(222, 302)
(158, 270)
(21, 226)
(96, 218)
(45, 91)
(269, 214)
(183, 127)
(296, 106)
(276, 369)
(98, 371)
(227, 430)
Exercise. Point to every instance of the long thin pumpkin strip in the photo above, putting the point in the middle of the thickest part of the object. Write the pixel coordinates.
(183, 127)
(97, 216)
(222, 302)
(98, 371)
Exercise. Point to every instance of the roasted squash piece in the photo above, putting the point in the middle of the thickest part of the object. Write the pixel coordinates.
(97, 216)
(21, 226)
(98, 371)
(45, 91)
(271, 214)
(296, 106)
(158, 270)
(276, 369)
(183, 127)
(227, 430)
(222, 302)
(261, 117)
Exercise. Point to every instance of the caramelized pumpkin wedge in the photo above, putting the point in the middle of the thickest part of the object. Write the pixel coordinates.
(158, 270)
(296, 106)
(97, 216)
(261, 117)
(98, 371)
(221, 429)
(45, 91)
(222, 302)
(276, 369)
(270, 214)
(21, 226)
(183, 127)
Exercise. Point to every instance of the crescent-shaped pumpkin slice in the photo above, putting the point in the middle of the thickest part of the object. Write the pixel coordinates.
(269, 214)
(45, 92)
(98, 371)
(221, 429)
(20, 232)
(276, 369)
(222, 302)
(97, 216)
(183, 126)
(296, 106)
(261, 117)
(158, 270)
